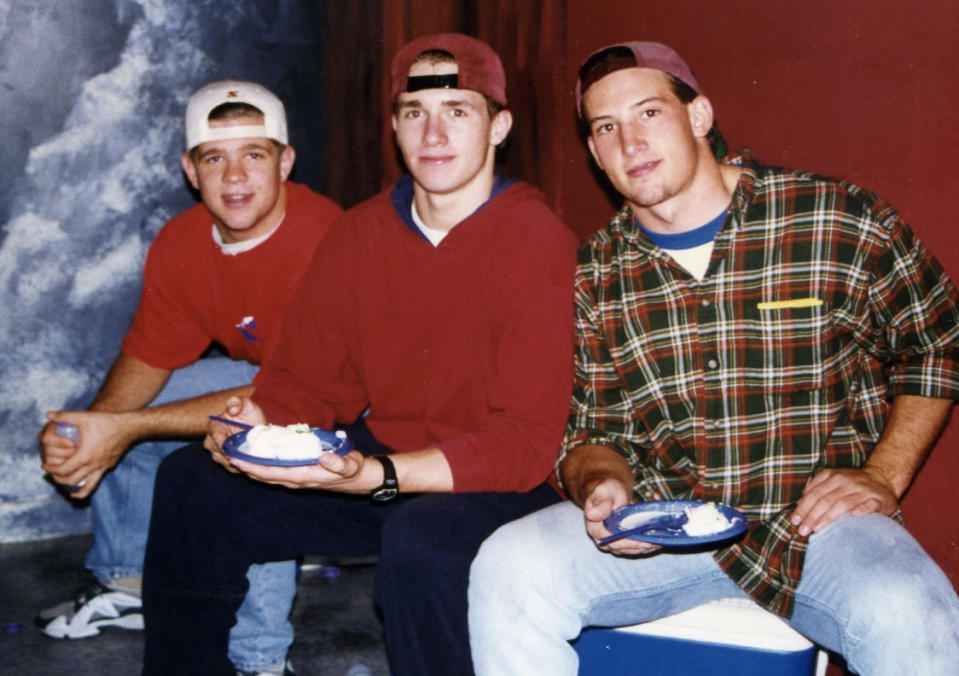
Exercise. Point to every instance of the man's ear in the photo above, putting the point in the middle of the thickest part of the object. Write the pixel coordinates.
(189, 169)
(287, 159)
(500, 126)
(700, 112)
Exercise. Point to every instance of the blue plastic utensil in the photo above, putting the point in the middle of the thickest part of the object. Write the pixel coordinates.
(235, 423)
(666, 522)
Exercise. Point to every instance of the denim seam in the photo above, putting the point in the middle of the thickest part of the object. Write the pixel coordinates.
(106, 574)
(844, 627)
(648, 593)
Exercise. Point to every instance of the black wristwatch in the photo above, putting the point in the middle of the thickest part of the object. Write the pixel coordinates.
(390, 487)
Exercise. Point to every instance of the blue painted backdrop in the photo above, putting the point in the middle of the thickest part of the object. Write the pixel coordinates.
(91, 99)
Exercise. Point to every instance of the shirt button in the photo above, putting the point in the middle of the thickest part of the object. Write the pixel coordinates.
(712, 363)
(705, 302)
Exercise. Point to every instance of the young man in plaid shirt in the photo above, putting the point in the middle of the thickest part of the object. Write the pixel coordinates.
(795, 357)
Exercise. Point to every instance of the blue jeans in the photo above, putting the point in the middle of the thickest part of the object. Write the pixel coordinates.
(121, 518)
(868, 592)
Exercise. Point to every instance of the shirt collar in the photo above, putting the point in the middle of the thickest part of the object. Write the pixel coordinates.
(685, 240)
(234, 248)
(746, 189)
(402, 198)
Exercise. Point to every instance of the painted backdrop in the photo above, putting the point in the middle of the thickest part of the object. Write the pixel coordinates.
(92, 94)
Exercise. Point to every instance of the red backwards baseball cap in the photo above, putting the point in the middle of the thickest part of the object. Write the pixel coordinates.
(478, 66)
(611, 58)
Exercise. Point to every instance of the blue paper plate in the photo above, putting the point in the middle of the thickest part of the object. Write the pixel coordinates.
(620, 520)
(235, 445)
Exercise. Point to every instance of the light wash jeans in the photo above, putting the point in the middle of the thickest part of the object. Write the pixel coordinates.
(121, 508)
(868, 592)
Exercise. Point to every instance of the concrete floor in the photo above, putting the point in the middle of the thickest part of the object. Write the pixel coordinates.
(336, 624)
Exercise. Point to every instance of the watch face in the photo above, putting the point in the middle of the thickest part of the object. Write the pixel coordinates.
(384, 494)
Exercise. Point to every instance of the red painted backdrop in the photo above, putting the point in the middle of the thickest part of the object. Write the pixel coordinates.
(864, 89)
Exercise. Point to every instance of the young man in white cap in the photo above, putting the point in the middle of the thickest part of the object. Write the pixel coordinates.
(443, 307)
(221, 272)
(741, 332)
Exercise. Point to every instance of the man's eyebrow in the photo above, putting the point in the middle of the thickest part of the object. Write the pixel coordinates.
(253, 145)
(448, 103)
(637, 104)
(591, 121)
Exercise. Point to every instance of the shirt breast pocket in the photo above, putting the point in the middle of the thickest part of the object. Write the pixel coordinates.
(785, 344)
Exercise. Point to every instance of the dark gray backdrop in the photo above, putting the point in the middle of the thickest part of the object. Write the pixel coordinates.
(91, 100)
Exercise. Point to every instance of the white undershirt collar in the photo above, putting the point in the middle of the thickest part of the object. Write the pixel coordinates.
(432, 234)
(234, 248)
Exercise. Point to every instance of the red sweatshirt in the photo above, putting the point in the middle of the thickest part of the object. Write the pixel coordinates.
(466, 346)
(193, 293)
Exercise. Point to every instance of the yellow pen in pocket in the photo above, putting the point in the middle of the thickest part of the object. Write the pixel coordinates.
(788, 304)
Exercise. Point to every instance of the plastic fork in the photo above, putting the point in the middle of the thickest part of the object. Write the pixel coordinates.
(667, 522)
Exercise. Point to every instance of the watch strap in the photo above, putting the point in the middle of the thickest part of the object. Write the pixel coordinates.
(390, 487)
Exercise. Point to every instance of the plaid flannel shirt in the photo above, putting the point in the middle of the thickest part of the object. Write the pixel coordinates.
(818, 305)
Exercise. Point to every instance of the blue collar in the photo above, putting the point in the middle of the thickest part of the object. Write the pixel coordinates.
(402, 198)
(685, 240)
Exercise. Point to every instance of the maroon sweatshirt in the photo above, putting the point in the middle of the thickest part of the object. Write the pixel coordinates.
(466, 346)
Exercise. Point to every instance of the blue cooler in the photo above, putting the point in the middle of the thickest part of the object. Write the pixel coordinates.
(721, 638)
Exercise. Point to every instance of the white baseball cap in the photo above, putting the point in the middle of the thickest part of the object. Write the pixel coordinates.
(207, 98)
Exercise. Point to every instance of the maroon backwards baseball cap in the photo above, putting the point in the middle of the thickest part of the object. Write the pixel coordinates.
(654, 55)
(478, 66)
(611, 58)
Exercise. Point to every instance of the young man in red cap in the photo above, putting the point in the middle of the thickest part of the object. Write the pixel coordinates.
(442, 308)
(220, 272)
(740, 332)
